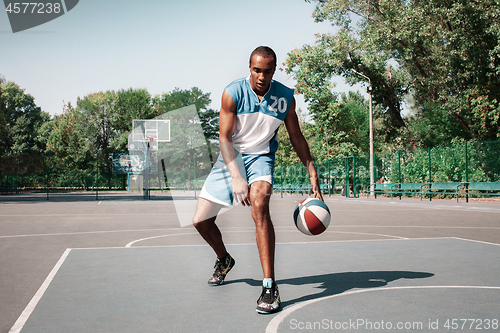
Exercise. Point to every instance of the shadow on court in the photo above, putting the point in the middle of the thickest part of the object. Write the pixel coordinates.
(338, 283)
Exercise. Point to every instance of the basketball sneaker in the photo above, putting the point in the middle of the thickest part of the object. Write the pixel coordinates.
(269, 301)
(222, 267)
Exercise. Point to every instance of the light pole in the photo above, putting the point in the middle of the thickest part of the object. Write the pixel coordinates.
(97, 180)
(369, 91)
(128, 177)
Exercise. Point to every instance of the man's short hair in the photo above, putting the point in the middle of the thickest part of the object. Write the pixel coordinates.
(265, 52)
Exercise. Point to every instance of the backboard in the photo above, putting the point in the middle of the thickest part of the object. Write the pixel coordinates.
(146, 131)
(124, 163)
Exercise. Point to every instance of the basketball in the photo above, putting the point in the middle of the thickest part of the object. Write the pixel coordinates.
(311, 216)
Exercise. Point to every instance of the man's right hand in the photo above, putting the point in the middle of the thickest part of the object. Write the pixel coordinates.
(241, 191)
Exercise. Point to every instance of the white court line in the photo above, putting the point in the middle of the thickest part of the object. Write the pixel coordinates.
(241, 231)
(90, 232)
(153, 237)
(272, 327)
(475, 241)
(364, 233)
(19, 324)
(412, 226)
(78, 214)
(276, 227)
(253, 243)
(367, 240)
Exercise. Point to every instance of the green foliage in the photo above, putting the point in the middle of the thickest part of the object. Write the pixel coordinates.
(445, 53)
(66, 145)
(179, 98)
(20, 123)
(74, 148)
(84, 137)
(357, 60)
(447, 164)
(188, 146)
(484, 161)
(459, 162)
(130, 104)
(191, 145)
(285, 152)
(96, 118)
(485, 106)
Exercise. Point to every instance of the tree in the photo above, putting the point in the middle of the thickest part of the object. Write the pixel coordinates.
(70, 157)
(179, 98)
(69, 147)
(285, 150)
(356, 60)
(130, 104)
(449, 48)
(20, 120)
(443, 51)
(344, 125)
(96, 119)
(199, 131)
(3, 121)
(429, 127)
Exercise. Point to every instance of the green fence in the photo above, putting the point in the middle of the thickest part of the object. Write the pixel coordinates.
(83, 180)
(467, 162)
(331, 173)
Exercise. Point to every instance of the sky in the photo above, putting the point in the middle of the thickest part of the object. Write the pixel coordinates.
(152, 44)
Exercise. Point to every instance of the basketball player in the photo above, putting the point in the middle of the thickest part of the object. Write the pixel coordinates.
(251, 112)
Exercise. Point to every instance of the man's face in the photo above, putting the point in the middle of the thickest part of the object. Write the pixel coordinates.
(261, 73)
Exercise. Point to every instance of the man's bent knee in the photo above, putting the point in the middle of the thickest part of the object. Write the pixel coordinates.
(205, 215)
(202, 225)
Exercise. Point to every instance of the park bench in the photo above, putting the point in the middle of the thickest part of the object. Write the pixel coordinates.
(445, 188)
(482, 188)
(282, 188)
(296, 188)
(384, 188)
(449, 188)
(305, 188)
(286, 188)
(293, 188)
(324, 189)
(410, 188)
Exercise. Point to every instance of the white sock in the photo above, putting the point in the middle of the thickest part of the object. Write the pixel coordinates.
(267, 282)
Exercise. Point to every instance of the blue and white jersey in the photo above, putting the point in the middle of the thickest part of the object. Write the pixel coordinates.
(257, 122)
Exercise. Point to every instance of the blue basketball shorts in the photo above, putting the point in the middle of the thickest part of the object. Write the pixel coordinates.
(218, 186)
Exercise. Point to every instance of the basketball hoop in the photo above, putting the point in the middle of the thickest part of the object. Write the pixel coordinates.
(152, 143)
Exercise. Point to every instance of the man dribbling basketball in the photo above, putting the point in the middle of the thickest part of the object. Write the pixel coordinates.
(251, 112)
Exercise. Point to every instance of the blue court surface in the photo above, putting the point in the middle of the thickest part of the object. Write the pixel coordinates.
(365, 274)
